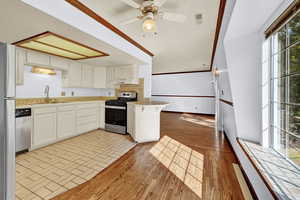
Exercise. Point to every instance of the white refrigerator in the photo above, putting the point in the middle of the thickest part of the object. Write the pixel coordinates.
(7, 121)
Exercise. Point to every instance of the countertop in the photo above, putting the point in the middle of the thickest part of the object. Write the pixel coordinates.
(57, 104)
(23, 106)
(149, 103)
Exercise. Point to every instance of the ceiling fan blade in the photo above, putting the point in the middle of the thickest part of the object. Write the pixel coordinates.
(132, 3)
(130, 21)
(159, 3)
(174, 17)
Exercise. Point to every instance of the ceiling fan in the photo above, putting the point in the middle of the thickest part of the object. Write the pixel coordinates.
(150, 11)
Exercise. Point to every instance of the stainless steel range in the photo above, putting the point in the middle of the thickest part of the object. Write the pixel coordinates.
(116, 112)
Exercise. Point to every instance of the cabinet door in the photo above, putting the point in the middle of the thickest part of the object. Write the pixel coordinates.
(102, 115)
(66, 123)
(59, 63)
(127, 74)
(112, 77)
(38, 58)
(87, 80)
(99, 77)
(122, 74)
(20, 64)
(74, 75)
(86, 119)
(130, 119)
(44, 129)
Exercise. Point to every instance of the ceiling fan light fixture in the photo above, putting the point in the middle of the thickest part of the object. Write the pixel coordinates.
(149, 25)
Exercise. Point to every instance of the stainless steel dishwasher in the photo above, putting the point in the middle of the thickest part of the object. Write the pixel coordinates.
(23, 129)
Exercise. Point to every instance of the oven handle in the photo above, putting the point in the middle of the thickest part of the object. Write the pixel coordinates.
(116, 107)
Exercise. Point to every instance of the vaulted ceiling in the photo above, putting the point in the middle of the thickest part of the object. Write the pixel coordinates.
(184, 46)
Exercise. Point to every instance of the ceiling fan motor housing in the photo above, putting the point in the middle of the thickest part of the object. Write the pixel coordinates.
(149, 7)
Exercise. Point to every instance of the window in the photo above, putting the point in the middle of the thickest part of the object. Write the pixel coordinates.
(282, 59)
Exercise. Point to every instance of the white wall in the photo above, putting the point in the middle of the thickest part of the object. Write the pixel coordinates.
(186, 84)
(243, 57)
(34, 85)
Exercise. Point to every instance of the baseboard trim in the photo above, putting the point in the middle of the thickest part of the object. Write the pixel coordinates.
(250, 186)
(242, 181)
(167, 111)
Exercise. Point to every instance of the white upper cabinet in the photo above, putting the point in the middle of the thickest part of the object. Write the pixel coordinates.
(99, 77)
(128, 74)
(122, 75)
(74, 75)
(34, 58)
(111, 78)
(59, 63)
(20, 64)
(79, 76)
(87, 80)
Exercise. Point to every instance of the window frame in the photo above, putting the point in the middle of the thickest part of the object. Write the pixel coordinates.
(272, 99)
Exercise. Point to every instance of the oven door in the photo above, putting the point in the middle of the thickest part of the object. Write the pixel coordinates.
(115, 119)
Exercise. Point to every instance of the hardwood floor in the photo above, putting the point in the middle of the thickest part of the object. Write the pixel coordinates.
(139, 175)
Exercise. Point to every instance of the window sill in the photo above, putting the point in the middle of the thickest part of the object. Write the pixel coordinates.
(279, 175)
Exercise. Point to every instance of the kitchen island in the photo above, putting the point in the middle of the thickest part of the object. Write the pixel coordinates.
(143, 120)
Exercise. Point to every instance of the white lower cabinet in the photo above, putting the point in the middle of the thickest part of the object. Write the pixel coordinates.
(86, 120)
(101, 115)
(130, 119)
(66, 126)
(44, 127)
(52, 123)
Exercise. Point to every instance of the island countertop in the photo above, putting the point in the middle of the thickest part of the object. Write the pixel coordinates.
(149, 103)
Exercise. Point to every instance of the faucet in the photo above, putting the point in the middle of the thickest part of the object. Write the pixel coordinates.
(46, 93)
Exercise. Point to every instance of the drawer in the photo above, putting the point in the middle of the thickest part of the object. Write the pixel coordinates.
(84, 120)
(87, 106)
(44, 110)
(87, 112)
(65, 108)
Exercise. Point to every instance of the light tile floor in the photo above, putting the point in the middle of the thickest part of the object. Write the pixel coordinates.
(52, 170)
(182, 161)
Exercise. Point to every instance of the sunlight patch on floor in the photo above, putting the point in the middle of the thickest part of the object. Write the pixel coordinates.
(182, 161)
(199, 120)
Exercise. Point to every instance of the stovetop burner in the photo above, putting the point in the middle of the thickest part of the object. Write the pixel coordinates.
(123, 98)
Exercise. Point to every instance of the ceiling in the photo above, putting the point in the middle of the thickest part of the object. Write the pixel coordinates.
(178, 47)
(244, 10)
(28, 21)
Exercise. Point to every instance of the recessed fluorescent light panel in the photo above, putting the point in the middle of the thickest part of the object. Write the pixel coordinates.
(57, 45)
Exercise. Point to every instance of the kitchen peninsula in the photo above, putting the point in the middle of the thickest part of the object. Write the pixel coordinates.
(143, 120)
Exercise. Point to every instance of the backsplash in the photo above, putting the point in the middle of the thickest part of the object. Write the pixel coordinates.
(34, 85)
(138, 88)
